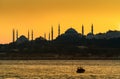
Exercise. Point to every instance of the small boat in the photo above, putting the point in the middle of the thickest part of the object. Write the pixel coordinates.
(80, 70)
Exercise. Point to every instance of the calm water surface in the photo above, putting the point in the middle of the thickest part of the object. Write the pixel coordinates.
(59, 69)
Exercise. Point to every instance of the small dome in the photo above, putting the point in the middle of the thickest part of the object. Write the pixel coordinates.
(71, 31)
(90, 36)
(40, 38)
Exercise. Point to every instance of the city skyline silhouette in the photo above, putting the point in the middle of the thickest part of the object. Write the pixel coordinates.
(40, 15)
(50, 35)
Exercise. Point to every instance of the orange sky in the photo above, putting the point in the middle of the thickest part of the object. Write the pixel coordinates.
(40, 15)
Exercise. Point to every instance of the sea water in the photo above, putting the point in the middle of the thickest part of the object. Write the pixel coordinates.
(59, 69)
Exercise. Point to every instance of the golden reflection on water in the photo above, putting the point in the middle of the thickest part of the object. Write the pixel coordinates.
(59, 69)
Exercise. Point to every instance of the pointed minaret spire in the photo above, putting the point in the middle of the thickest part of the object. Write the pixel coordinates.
(92, 30)
(32, 35)
(49, 36)
(16, 34)
(45, 35)
(28, 35)
(59, 30)
(82, 30)
(13, 35)
(52, 33)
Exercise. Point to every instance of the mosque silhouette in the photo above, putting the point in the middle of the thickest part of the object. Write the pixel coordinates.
(70, 34)
(68, 45)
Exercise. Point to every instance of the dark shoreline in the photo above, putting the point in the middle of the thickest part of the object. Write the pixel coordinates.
(48, 58)
(68, 46)
(65, 54)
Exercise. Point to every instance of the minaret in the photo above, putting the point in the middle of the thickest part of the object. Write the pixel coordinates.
(92, 30)
(49, 36)
(59, 30)
(82, 30)
(13, 35)
(16, 34)
(28, 35)
(32, 35)
(45, 35)
(52, 33)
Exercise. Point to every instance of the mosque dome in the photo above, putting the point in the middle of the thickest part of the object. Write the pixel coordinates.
(22, 39)
(40, 39)
(90, 36)
(71, 31)
(71, 36)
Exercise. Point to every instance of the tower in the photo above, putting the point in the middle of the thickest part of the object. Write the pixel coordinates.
(13, 35)
(52, 33)
(92, 30)
(16, 34)
(28, 35)
(82, 30)
(59, 30)
(32, 35)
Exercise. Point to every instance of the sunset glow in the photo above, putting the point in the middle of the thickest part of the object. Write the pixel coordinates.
(40, 15)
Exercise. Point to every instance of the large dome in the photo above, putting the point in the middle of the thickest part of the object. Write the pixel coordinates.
(22, 39)
(71, 36)
(71, 31)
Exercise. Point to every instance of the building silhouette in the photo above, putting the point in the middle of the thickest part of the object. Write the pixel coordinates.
(59, 30)
(32, 35)
(49, 37)
(13, 35)
(92, 29)
(71, 32)
(22, 39)
(82, 30)
(16, 34)
(71, 36)
(91, 34)
(52, 33)
(28, 35)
